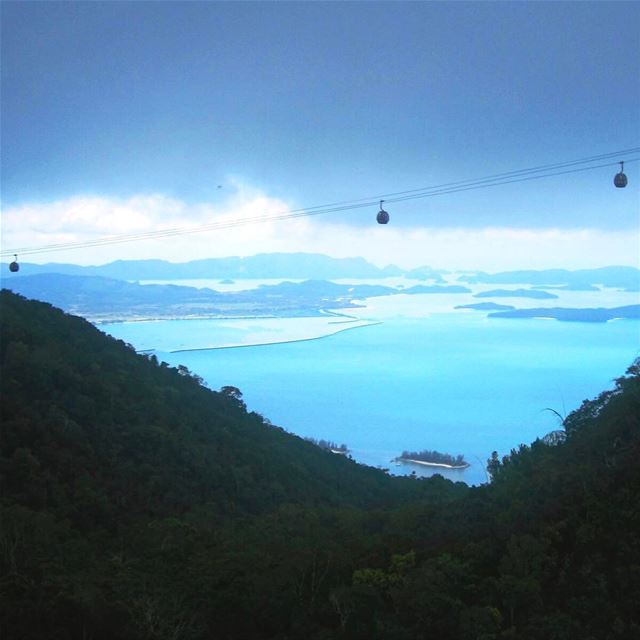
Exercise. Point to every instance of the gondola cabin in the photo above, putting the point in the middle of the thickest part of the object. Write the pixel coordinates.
(383, 216)
(620, 179)
(14, 267)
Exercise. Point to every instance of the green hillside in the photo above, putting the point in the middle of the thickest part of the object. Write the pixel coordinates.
(138, 504)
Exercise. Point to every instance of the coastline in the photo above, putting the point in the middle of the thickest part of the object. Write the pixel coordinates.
(97, 319)
(274, 342)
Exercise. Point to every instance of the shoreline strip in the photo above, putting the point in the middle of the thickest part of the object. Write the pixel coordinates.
(267, 344)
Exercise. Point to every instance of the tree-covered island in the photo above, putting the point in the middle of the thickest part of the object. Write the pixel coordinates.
(434, 458)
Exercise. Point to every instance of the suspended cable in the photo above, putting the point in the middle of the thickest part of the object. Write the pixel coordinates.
(507, 174)
(522, 179)
(521, 175)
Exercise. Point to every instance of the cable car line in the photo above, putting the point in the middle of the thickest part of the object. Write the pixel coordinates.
(508, 174)
(283, 216)
(539, 168)
(162, 233)
(522, 179)
(619, 181)
(521, 175)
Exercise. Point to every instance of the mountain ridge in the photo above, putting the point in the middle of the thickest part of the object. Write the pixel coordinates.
(624, 277)
(259, 266)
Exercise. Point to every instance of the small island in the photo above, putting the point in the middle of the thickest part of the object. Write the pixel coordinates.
(629, 312)
(433, 459)
(486, 306)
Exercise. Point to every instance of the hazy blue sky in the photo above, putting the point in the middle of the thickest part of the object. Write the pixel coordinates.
(109, 105)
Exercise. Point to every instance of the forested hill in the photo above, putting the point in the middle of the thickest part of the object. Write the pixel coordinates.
(135, 436)
(137, 504)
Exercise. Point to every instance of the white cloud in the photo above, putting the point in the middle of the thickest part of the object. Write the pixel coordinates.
(84, 218)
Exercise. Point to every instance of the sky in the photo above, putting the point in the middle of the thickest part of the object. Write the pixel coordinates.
(133, 117)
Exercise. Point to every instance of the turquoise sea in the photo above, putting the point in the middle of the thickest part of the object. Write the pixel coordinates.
(456, 382)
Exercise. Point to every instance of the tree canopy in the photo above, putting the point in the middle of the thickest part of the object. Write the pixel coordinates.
(136, 503)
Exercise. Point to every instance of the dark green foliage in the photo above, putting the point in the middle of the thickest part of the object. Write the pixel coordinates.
(329, 445)
(137, 504)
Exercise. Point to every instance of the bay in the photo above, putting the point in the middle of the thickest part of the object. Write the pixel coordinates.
(456, 382)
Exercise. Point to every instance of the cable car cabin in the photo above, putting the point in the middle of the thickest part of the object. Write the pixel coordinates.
(620, 179)
(383, 216)
(14, 267)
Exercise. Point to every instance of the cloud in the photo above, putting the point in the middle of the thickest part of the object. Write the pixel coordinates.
(87, 218)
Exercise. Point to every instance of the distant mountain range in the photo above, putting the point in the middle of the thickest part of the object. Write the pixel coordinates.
(89, 292)
(265, 265)
(627, 278)
(314, 266)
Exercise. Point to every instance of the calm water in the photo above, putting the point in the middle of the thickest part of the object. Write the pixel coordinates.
(455, 382)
